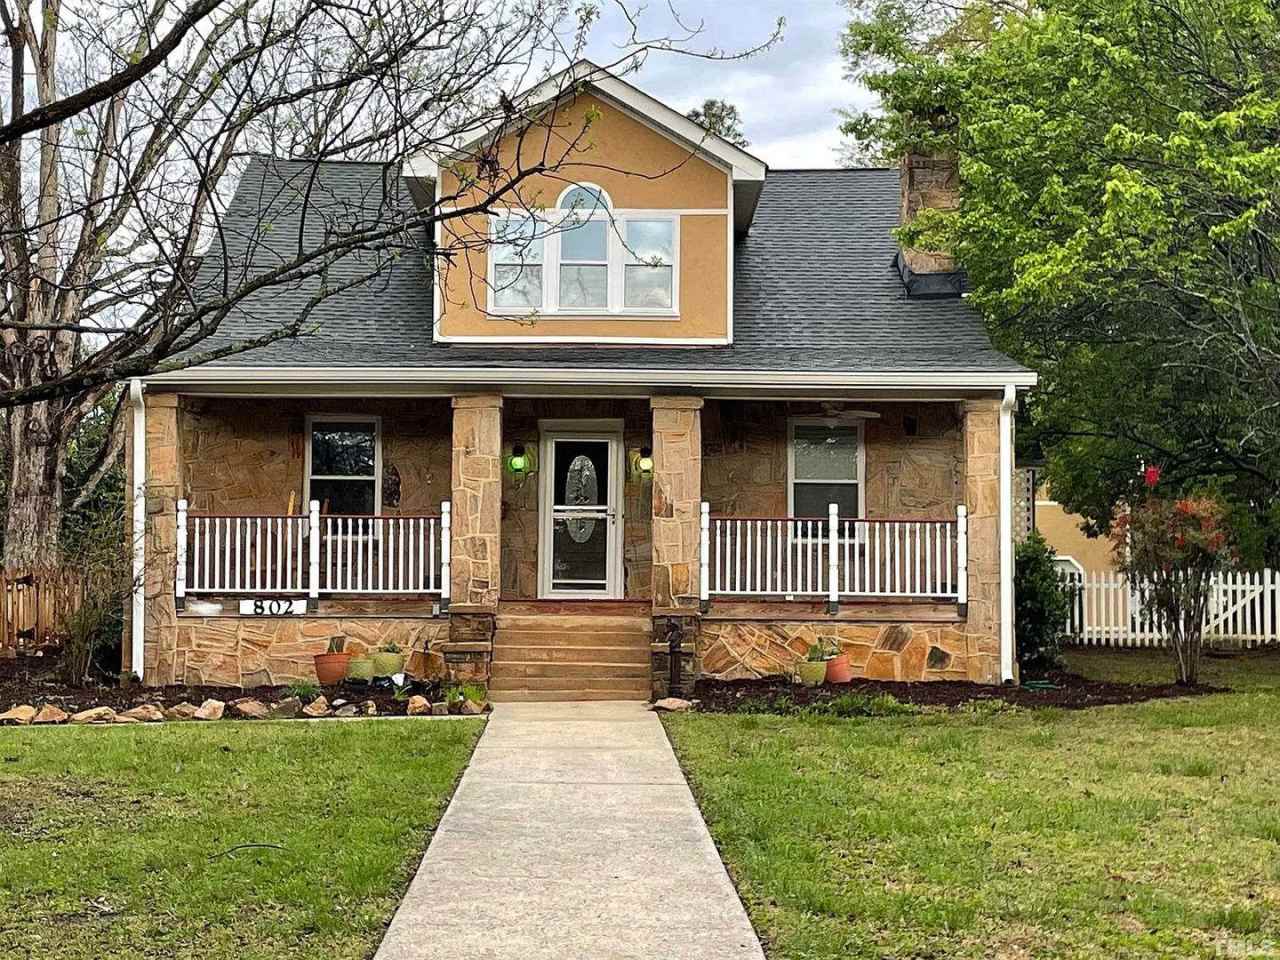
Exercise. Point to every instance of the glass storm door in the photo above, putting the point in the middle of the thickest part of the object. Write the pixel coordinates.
(581, 530)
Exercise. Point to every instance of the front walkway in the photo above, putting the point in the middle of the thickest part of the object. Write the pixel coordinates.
(572, 835)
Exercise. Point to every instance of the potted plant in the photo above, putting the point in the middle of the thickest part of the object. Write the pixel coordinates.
(812, 670)
(331, 667)
(361, 668)
(388, 659)
(839, 668)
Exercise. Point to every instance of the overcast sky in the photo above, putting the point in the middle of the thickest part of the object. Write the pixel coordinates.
(788, 96)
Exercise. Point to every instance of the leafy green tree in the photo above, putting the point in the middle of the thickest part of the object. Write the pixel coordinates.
(721, 118)
(1119, 221)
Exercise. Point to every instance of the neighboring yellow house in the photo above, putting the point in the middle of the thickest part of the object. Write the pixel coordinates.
(1061, 529)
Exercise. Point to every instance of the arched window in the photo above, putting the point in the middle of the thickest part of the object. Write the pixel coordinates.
(584, 248)
(585, 198)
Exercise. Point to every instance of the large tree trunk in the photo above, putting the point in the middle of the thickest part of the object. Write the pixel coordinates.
(37, 467)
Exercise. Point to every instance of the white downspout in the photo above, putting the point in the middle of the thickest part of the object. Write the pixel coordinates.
(136, 620)
(1006, 533)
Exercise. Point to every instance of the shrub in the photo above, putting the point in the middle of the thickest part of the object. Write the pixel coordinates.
(1041, 603)
(1170, 549)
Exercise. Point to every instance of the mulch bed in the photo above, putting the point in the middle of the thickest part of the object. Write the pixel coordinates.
(34, 680)
(1069, 692)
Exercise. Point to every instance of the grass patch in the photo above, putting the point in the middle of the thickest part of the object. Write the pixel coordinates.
(1141, 830)
(263, 840)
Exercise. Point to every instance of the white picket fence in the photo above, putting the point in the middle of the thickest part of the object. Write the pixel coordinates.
(1107, 611)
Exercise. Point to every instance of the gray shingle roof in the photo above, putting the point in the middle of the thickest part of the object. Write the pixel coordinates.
(815, 288)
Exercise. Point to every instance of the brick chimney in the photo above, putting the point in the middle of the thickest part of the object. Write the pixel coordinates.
(928, 181)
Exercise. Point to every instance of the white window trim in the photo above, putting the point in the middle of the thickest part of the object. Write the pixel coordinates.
(619, 258)
(861, 470)
(314, 418)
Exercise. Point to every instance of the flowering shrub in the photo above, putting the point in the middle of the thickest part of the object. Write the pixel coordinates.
(1170, 549)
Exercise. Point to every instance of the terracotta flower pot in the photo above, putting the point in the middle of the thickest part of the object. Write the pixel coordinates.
(385, 664)
(839, 669)
(331, 668)
(811, 672)
(360, 668)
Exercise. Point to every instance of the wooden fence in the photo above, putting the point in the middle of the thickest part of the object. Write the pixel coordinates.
(1107, 611)
(34, 606)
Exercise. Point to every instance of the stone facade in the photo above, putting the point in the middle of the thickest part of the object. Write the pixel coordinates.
(259, 651)
(742, 649)
(677, 498)
(928, 183)
(164, 486)
(919, 474)
(520, 507)
(477, 502)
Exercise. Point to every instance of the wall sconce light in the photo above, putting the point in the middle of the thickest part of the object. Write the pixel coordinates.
(518, 462)
(644, 464)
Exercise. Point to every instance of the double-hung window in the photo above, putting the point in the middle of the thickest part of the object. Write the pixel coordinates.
(826, 464)
(585, 257)
(517, 255)
(342, 464)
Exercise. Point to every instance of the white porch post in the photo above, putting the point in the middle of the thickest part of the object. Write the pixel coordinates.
(833, 557)
(180, 574)
(446, 527)
(1006, 534)
(138, 605)
(313, 554)
(704, 556)
(962, 554)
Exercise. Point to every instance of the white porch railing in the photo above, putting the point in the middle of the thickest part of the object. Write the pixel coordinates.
(312, 555)
(1107, 611)
(834, 557)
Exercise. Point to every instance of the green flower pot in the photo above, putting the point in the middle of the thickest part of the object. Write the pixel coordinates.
(811, 672)
(386, 664)
(360, 668)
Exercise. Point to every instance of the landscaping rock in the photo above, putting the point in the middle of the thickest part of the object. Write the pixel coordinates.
(51, 714)
(20, 715)
(121, 718)
(470, 708)
(94, 715)
(146, 713)
(418, 705)
(672, 705)
(286, 709)
(346, 710)
(252, 709)
(440, 709)
(369, 708)
(319, 707)
(338, 703)
(210, 710)
(181, 711)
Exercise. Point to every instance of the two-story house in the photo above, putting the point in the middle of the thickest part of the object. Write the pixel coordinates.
(660, 399)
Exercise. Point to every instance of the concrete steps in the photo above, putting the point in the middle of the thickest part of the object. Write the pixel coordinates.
(559, 656)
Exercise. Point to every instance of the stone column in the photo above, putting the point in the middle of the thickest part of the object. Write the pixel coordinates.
(476, 554)
(677, 494)
(164, 487)
(982, 498)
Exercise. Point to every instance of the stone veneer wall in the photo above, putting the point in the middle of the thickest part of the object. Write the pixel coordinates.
(247, 456)
(476, 554)
(744, 457)
(955, 453)
(520, 495)
(259, 651)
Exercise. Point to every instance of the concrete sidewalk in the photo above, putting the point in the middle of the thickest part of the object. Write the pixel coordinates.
(572, 835)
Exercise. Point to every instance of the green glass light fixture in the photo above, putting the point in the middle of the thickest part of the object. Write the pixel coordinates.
(518, 462)
(644, 463)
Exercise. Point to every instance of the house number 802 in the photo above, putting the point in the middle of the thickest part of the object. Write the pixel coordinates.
(272, 607)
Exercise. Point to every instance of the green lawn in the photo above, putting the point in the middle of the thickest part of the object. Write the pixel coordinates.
(1140, 831)
(114, 842)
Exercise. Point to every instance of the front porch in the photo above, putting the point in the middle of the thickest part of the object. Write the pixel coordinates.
(734, 532)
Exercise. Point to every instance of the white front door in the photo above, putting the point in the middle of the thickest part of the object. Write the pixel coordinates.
(580, 537)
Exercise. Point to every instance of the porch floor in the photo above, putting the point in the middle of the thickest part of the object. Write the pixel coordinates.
(576, 825)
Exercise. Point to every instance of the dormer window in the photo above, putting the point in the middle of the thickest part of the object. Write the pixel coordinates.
(585, 258)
